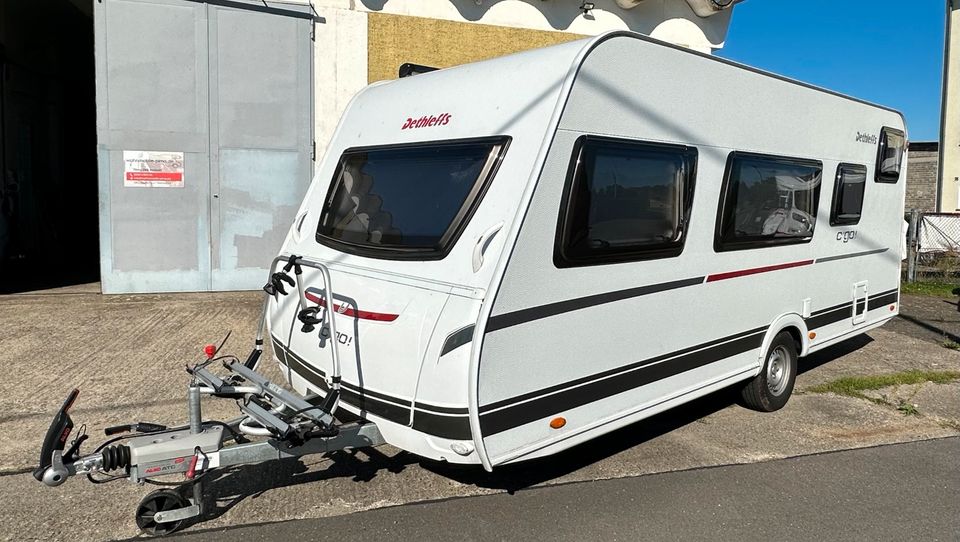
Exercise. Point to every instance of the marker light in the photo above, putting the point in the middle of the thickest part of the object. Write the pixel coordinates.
(210, 350)
(892, 307)
(462, 448)
(557, 423)
(812, 335)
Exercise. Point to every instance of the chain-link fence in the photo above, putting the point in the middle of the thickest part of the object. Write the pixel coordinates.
(933, 247)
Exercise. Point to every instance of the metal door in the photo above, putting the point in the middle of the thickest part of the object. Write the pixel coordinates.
(260, 136)
(222, 94)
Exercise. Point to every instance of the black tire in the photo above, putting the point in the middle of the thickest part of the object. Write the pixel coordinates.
(159, 501)
(770, 390)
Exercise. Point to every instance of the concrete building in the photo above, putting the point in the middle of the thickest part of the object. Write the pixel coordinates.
(922, 176)
(164, 145)
(949, 193)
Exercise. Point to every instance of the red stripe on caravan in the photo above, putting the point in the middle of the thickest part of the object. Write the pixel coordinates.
(347, 311)
(755, 270)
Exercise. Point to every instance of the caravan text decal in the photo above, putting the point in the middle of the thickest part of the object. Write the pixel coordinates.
(427, 121)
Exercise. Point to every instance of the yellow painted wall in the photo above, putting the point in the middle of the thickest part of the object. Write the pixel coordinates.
(395, 39)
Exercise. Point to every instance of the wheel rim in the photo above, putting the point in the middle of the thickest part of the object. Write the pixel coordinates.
(778, 370)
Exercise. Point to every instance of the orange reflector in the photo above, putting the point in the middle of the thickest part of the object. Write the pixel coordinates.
(557, 423)
(892, 307)
(812, 334)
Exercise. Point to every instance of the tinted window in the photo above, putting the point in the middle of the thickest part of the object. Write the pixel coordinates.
(625, 201)
(407, 200)
(767, 200)
(890, 155)
(848, 195)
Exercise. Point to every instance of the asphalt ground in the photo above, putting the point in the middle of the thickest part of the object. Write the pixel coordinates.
(127, 353)
(895, 492)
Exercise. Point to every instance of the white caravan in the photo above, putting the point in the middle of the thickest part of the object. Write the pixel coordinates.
(531, 251)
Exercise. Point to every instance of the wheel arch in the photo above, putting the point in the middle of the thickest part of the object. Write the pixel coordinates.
(792, 323)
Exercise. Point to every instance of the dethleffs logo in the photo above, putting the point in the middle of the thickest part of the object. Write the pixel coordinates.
(427, 121)
(866, 138)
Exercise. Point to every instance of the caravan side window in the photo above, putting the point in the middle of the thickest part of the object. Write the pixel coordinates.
(766, 201)
(848, 195)
(890, 155)
(624, 200)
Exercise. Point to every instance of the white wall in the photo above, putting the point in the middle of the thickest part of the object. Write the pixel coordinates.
(950, 129)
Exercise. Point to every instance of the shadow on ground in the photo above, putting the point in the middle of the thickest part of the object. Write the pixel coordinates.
(227, 488)
(930, 327)
(929, 318)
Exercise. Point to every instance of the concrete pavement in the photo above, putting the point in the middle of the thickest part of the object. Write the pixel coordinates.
(894, 492)
(127, 354)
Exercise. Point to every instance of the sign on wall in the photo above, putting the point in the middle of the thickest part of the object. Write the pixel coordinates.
(153, 169)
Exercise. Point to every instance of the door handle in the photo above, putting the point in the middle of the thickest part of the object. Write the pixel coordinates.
(482, 243)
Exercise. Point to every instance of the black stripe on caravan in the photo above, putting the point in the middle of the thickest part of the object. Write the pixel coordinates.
(831, 309)
(522, 316)
(639, 374)
(881, 299)
(852, 255)
(439, 421)
(611, 372)
(279, 351)
(451, 427)
(439, 409)
(837, 313)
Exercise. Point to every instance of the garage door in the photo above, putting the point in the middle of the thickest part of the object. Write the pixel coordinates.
(204, 125)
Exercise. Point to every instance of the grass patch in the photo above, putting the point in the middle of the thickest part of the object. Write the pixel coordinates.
(936, 289)
(952, 345)
(907, 408)
(854, 386)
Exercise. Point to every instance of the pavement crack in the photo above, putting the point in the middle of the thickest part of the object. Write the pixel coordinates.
(15, 472)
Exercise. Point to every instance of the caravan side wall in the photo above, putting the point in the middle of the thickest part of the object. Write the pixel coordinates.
(606, 345)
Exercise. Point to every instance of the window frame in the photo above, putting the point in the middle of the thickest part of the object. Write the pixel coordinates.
(835, 219)
(562, 259)
(460, 220)
(722, 245)
(888, 178)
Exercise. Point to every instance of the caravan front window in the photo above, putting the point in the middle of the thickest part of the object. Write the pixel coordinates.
(767, 200)
(890, 155)
(407, 201)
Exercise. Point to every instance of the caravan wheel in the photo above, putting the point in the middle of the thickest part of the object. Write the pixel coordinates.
(770, 390)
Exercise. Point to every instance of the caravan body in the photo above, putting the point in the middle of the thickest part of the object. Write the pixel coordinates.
(531, 251)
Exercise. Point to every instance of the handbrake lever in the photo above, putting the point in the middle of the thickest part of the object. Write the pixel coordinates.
(54, 441)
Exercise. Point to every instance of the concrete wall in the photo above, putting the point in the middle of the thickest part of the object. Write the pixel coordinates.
(923, 160)
(361, 41)
(950, 130)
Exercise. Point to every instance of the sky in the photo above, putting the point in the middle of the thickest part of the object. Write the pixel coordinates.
(884, 51)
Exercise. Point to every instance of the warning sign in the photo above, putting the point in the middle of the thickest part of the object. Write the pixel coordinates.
(153, 169)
